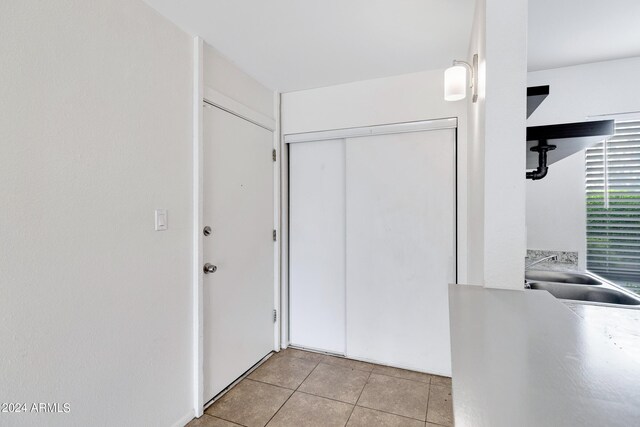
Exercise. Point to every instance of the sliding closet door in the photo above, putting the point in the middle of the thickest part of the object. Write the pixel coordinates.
(400, 239)
(317, 245)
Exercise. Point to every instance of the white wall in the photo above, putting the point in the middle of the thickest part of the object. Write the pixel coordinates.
(475, 152)
(409, 97)
(505, 122)
(496, 145)
(587, 90)
(225, 77)
(556, 212)
(556, 209)
(95, 131)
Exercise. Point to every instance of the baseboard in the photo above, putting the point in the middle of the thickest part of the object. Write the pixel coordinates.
(183, 421)
(315, 350)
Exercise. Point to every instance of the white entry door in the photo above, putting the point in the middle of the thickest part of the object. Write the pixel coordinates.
(238, 207)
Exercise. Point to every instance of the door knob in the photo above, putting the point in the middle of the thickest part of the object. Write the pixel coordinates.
(209, 268)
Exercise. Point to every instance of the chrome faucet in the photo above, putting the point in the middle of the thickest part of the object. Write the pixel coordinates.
(550, 258)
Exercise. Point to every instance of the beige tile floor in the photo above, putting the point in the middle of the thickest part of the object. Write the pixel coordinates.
(297, 388)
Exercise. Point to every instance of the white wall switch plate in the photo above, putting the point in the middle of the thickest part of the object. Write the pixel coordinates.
(161, 220)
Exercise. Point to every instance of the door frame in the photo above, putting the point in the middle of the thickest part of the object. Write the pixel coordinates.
(202, 95)
(329, 134)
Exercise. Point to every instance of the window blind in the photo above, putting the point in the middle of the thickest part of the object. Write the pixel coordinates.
(613, 204)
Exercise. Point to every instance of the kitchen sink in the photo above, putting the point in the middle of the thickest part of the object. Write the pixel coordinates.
(586, 292)
(561, 277)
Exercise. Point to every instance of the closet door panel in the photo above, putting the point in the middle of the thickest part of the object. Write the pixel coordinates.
(400, 248)
(317, 245)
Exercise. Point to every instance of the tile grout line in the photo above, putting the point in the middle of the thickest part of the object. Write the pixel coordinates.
(429, 384)
(374, 367)
(326, 398)
(369, 372)
(349, 403)
(213, 416)
(361, 406)
(339, 401)
(294, 392)
(409, 379)
(238, 380)
(272, 385)
(396, 415)
(269, 384)
(325, 355)
(347, 367)
(224, 419)
(428, 399)
(358, 399)
(402, 378)
(426, 414)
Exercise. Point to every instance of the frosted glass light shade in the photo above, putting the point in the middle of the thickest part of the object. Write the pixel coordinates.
(455, 83)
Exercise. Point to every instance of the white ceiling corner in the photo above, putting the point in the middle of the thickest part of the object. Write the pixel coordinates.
(571, 32)
(298, 44)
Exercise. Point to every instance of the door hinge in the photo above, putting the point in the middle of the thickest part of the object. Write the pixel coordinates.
(275, 315)
(275, 235)
(274, 155)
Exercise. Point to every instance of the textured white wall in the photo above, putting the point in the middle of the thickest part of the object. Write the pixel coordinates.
(496, 145)
(95, 133)
(404, 98)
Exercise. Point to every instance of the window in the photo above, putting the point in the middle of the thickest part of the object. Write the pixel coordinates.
(613, 206)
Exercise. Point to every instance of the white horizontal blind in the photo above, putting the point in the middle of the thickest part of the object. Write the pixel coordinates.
(613, 205)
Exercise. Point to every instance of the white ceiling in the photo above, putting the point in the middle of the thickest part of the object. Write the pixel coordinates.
(571, 32)
(299, 44)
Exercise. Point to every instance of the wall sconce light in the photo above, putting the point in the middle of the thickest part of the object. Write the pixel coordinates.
(455, 80)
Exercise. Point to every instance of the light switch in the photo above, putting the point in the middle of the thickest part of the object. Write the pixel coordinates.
(161, 219)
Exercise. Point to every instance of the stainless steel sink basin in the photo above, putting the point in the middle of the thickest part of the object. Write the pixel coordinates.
(585, 292)
(561, 277)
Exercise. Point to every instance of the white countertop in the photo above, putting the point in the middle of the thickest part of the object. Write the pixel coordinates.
(621, 326)
(523, 358)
